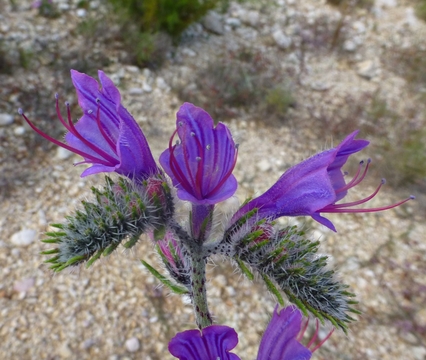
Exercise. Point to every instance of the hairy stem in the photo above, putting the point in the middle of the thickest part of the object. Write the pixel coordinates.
(199, 295)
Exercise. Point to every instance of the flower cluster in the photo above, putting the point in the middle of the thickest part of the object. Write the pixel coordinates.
(199, 165)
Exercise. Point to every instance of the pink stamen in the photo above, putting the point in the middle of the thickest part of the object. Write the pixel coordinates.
(321, 343)
(356, 179)
(111, 160)
(65, 146)
(302, 332)
(315, 334)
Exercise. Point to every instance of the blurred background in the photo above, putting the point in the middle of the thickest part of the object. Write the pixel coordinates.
(289, 78)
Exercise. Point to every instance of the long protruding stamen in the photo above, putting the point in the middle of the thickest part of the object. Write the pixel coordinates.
(321, 343)
(362, 201)
(344, 210)
(356, 179)
(302, 332)
(61, 144)
(111, 160)
(315, 334)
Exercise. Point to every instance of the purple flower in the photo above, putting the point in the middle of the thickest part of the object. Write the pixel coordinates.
(281, 340)
(212, 343)
(201, 164)
(314, 186)
(106, 136)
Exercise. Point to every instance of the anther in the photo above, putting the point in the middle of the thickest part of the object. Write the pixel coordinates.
(56, 96)
(180, 123)
(208, 147)
(192, 133)
(198, 158)
(89, 111)
(98, 100)
(20, 111)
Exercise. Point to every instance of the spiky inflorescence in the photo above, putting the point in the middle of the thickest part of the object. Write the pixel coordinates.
(121, 210)
(288, 261)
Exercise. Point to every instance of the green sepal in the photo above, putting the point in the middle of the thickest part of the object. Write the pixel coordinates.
(159, 233)
(111, 248)
(49, 252)
(56, 234)
(94, 258)
(173, 287)
(245, 270)
(50, 241)
(132, 242)
(272, 288)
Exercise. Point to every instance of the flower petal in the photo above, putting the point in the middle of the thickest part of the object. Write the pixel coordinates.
(279, 340)
(213, 342)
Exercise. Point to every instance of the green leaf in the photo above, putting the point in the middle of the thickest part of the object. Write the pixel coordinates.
(173, 287)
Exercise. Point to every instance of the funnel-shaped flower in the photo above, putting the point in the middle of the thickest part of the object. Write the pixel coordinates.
(281, 340)
(314, 186)
(106, 136)
(212, 343)
(201, 164)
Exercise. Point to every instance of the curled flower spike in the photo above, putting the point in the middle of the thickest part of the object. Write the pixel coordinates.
(314, 186)
(106, 136)
(201, 164)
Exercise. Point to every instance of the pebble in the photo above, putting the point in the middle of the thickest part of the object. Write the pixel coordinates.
(213, 22)
(367, 69)
(6, 119)
(81, 12)
(282, 40)
(20, 130)
(24, 285)
(62, 153)
(263, 165)
(23, 237)
(132, 344)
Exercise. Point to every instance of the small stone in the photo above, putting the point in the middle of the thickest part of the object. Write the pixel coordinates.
(213, 22)
(189, 52)
(24, 285)
(62, 153)
(87, 344)
(132, 345)
(146, 87)
(20, 130)
(6, 119)
(250, 17)
(349, 45)
(233, 22)
(81, 12)
(367, 69)
(161, 83)
(65, 351)
(136, 91)
(23, 237)
(282, 40)
(263, 165)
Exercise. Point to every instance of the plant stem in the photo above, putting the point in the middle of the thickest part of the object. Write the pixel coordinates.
(199, 296)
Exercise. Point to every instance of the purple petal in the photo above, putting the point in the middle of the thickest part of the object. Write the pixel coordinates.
(279, 340)
(213, 342)
(201, 165)
(308, 187)
(107, 131)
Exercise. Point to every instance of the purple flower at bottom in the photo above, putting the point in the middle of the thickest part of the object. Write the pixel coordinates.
(201, 164)
(106, 136)
(314, 186)
(211, 343)
(281, 340)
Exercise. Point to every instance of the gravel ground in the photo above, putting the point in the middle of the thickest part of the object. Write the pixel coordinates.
(115, 310)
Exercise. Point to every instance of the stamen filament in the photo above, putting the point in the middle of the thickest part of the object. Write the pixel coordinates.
(61, 144)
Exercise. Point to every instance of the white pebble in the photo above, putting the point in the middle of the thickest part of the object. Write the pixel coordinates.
(23, 237)
(6, 119)
(132, 344)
